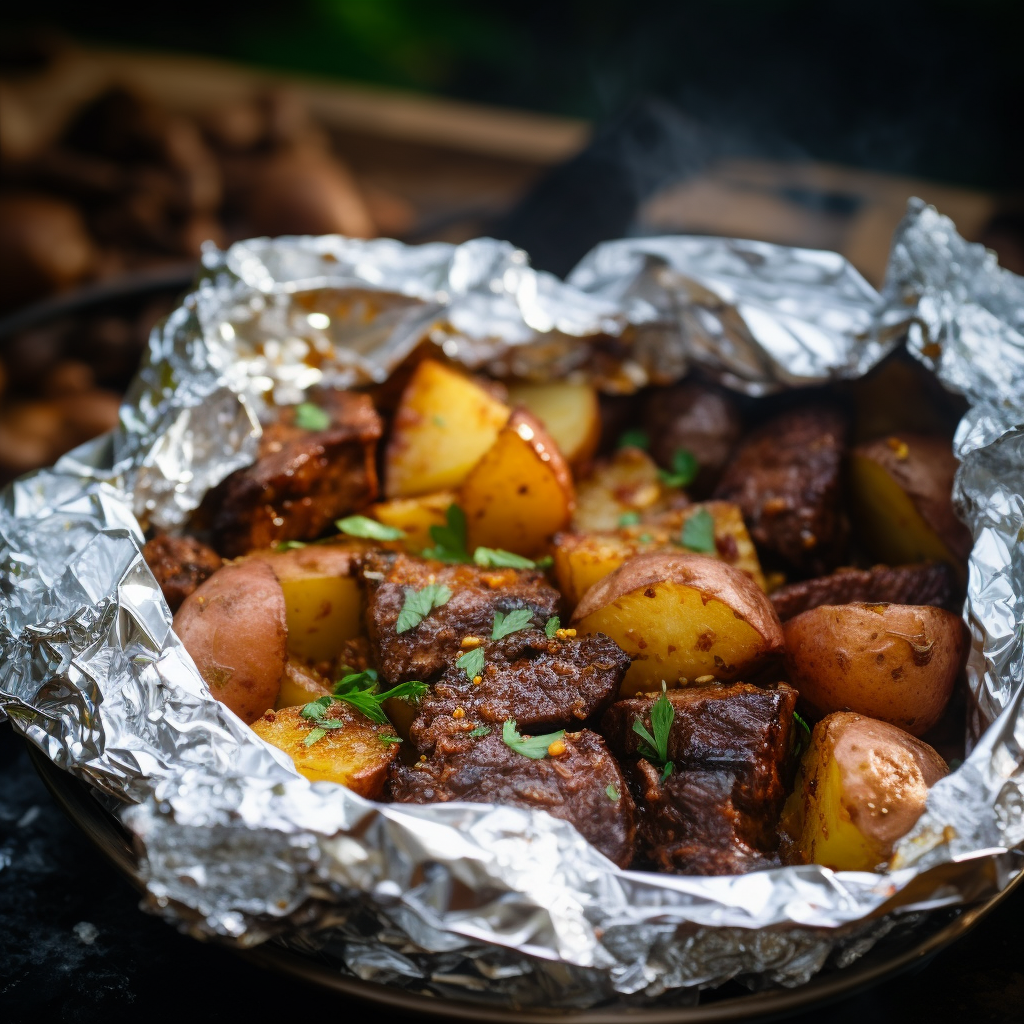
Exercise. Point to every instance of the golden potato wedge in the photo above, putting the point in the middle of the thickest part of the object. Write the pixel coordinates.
(415, 516)
(681, 617)
(902, 491)
(627, 482)
(323, 603)
(568, 412)
(299, 685)
(233, 626)
(520, 493)
(444, 423)
(861, 786)
(357, 755)
(894, 662)
(583, 559)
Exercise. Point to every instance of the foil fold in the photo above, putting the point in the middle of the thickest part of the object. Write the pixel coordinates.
(484, 902)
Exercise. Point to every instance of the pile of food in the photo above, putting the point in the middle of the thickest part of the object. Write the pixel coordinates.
(715, 634)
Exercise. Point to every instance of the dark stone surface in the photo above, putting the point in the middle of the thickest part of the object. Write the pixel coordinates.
(74, 947)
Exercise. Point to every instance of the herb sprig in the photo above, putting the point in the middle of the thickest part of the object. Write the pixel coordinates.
(655, 748)
(685, 468)
(533, 747)
(699, 532)
(635, 438)
(505, 625)
(551, 627)
(359, 690)
(803, 735)
(451, 545)
(471, 662)
(419, 604)
(311, 417)
(363, 526)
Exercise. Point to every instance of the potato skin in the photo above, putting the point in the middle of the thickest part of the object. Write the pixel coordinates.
(894, 662)
(233, 626)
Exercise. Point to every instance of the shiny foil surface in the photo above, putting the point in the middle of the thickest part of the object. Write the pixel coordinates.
(483, 902)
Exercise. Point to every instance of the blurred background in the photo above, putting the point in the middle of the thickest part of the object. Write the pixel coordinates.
(127, 140)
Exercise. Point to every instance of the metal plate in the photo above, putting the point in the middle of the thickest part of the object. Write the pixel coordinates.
(886, 960)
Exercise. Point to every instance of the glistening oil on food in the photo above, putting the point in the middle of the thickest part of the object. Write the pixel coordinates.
(662, 618)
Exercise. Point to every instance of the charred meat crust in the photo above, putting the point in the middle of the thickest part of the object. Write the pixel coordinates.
(542, 682)
(179, 564)
(931, 583)
(786, 479)
(301, 481)
(583, 785)
(427, 649)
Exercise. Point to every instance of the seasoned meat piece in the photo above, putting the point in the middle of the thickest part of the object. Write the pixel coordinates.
(179, 564)
(699, 418)
(582, 785)
(423, 651)
(301, 481)
(786, 479)
(543, 683)
(730, 747)
(928, 583)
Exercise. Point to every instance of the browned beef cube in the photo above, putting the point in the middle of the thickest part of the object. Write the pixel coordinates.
(543, 683)
(302, 480)
(179, 564)
(785, 477)
(476, 594)
(928, 583)
(582, 785)
(730, 748)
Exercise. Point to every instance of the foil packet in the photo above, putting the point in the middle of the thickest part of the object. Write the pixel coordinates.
(468, 900)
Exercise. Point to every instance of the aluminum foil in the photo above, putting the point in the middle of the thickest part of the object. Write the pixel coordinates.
(487, 902)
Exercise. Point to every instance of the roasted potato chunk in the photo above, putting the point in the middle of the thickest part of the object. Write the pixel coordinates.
(444, 424)
(861, 786)
(299, 685)
(681, 617)
(415, 516)
(626, 483)
(902, 491)
(894, 662)
(568, 412)
(357, 755)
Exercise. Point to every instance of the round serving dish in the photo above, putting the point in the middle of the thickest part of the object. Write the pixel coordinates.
(890, 957)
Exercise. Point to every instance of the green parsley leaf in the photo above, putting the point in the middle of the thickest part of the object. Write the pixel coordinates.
(438, 421)
(645, 538)
(362, 526)
(635, 438)
(419, 604)
(802, 740)
(311, 417)
(629, 519)
(288, 545)
(544, 563)
(668, 771)
(612, 793)
(312, 736)
(316, 708)
(699, 532)
(480, 730)
(552, 625)
(370, 703)
(516, 620)
(471, 662)
(365, 680)
(684, 469)
(655, 748)
(390, 739)
(497, 558)
(450, 540)
(533, 747)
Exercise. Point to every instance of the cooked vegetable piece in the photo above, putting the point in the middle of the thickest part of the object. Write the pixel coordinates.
(233, 626)
(681, 616)
(444, 424)
(520, 493)
(902, 491)
(894, 662)
(568, 412)
(786, 477)
(415, 517)
(299, 685)
(180, 564)
(570, 782)
(861, 786)
(357, 754)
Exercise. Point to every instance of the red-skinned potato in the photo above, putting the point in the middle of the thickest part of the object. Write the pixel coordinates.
(894, 662)
(233, 626)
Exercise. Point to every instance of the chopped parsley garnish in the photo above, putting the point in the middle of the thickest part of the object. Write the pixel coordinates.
(360, 691)
(629, 519)
(699, 532)
(645, 538)
(480, 730)
(612, 793)
(311, 417)
(516, 620)
(390, 739)
(551, 626)
(471, 662)
(533, 747)
(803, 739)
(497, 558)
(449, 540)
(684, 469)
(419, 604)
(544, 563)
(313, 735)
(362, 526)
(438, 421)
(288, 545)
(635, 438)
(655, 748)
